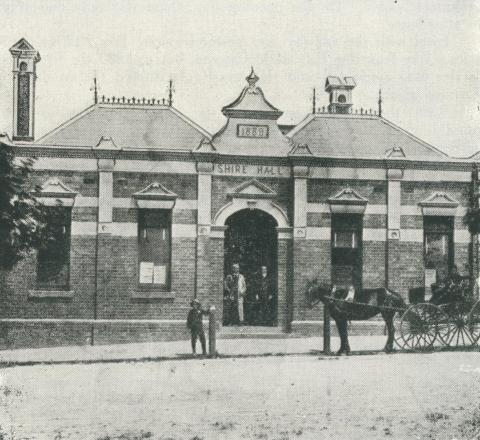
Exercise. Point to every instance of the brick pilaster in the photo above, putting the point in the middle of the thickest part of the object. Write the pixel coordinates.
(299, 273)
(104, 246)
(393, 263)
(203, 277)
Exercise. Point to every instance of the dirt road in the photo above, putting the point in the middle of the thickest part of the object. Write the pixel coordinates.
(400, 396)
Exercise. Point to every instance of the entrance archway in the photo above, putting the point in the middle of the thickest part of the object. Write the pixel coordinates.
(251, 242)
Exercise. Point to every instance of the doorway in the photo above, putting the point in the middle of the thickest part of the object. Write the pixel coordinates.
(251, 242)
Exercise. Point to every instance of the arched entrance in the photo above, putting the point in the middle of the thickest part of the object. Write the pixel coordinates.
(251, 242)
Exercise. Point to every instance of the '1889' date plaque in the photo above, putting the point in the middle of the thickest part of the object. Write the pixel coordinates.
(252, 131)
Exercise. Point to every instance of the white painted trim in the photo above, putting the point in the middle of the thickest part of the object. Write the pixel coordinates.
(411, 235)
(461, 236)
(204, 199)
(324, 208)
(436, 176)
(129, 203)
(153, 166)
(84, 228)
(394, 204)
(300, 202)
(374, 234)
(155, 204)
(105, 196)
(285, 235)
(67, 202)
(63, 164)
(264, 205)
(217, 233)
(86, 202)
(348, 173)
(184, 230)
(124, 229)
(315, 233)
(414, 175)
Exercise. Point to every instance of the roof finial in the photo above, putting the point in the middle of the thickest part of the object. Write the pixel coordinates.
(95, 90)
(252, 78)
(170, 93)
(314, 101)
(380, 103)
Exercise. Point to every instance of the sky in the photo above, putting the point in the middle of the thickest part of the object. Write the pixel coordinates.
(424, 55)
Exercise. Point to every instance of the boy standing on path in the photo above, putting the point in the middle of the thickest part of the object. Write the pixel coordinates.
(195, 324)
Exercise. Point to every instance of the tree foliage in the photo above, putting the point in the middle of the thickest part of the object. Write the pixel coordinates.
(472, 220)
(21, 215)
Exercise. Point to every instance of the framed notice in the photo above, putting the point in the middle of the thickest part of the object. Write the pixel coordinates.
(146, 272)
(160, 275)
(252, 131)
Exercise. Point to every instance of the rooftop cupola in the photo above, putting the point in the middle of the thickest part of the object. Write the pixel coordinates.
(340, 93)
(25, 58)
(251, 104)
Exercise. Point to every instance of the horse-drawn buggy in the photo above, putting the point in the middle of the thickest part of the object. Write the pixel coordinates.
(451, 317)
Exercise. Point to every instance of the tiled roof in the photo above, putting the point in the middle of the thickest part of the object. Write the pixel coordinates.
(352, 136)
(130, 126)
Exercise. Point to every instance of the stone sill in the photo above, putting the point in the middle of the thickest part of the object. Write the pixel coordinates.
(50, 293)
(152, 294)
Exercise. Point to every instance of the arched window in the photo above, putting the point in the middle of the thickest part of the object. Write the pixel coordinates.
(342, 99)
(23, 66)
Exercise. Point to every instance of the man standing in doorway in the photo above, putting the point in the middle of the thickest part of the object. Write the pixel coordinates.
(235, 290)
(264, 297)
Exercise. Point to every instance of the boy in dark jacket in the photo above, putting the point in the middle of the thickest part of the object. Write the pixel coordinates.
(195, 324)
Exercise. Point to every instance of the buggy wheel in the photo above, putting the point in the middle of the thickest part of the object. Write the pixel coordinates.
(398, 338)
(457, 334)
(474, 322)
(418, 326)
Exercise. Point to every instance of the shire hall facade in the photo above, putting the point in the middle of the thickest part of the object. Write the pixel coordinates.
(150, 210)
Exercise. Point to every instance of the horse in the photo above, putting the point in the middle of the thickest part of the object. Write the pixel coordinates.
(378, 301)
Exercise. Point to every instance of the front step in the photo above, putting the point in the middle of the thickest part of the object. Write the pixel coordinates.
(251, 332)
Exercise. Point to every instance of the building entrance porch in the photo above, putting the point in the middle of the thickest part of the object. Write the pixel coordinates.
(251, 242)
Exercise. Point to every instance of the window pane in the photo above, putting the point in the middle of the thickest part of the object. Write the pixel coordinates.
(345, 239)
(154, 247)
(438, 245)
(54, 256)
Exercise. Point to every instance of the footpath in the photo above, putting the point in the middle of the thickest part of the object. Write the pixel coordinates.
(152, 351)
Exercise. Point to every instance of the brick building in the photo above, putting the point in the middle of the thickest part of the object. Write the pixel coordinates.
(149, 210)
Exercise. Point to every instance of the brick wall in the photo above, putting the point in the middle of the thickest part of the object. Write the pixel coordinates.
(311, 259)
(415, 192)
(18, 283)
(125, 184)
(121, 297)
(84, 183)
(320, 190)
(373, 264)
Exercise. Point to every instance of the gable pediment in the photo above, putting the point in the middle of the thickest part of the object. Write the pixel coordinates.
(54, 192)
(22, 44)
(155, 191)
(439, 199)
(252, 189)
(348, 196)
(55, 188)
(395, 153)
(155, 196)
(347, 201)
(439, 203)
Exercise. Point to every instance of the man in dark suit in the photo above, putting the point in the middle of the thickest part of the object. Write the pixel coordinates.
(264, 297)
